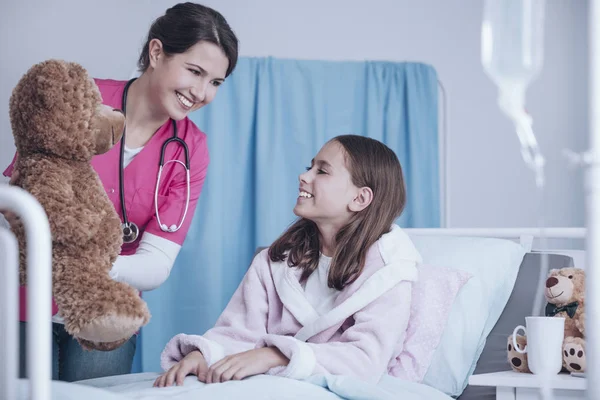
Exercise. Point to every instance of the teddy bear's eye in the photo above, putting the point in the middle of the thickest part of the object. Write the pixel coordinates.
(570, 276)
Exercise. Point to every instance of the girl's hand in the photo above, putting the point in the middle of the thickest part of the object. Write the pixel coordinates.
(192, 364)
(248, 363)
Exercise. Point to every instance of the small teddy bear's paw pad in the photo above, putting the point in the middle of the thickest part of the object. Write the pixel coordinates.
(516, 361)
(574, 356)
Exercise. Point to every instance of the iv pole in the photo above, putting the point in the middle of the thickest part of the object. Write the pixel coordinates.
(592, 190)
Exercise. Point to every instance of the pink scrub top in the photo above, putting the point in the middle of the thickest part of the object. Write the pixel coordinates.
(139, 179)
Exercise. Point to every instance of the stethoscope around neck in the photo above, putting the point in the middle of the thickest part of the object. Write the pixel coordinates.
(129, 228)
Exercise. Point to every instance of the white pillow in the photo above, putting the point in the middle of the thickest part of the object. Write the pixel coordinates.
(494, 265)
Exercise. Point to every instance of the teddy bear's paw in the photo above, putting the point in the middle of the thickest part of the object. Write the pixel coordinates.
(89, 346)
(110, 328)
(517, 361)
(574, 354)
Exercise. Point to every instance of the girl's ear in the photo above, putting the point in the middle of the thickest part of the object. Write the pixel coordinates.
(155, 49)
(362, 199)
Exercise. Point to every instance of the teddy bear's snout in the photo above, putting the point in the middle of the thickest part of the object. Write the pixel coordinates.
(551, 282)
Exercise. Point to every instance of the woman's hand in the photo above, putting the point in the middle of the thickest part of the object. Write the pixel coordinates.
(248, 363)
(192, 364)
(15, 173)
(13, 177)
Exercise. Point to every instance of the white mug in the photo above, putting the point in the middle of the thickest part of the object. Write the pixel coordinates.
(545, 337)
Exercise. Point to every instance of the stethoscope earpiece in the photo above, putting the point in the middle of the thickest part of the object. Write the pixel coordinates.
(166, 228)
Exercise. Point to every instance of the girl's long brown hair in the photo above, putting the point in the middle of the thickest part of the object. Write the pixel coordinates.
(371, 164)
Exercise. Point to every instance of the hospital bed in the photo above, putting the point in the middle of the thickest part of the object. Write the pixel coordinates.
(501, 262)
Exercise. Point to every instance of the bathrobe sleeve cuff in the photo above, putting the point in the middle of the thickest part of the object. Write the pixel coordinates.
(302, 358)
(181, 345)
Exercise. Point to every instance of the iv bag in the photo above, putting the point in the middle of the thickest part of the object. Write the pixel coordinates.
(512, 43)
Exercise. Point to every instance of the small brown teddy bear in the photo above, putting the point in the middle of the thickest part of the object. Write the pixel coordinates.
(565, 294)
(59, 124)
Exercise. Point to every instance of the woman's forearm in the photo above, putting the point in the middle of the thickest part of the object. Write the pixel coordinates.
(150, 266)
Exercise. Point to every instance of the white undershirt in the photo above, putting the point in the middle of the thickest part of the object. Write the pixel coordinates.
(318, 294)
(128, 154)
(151, 264)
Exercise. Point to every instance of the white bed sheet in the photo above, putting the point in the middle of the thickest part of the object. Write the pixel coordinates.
(70, 391)
(139, 387)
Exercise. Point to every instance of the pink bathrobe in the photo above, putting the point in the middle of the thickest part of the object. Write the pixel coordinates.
(359, 337)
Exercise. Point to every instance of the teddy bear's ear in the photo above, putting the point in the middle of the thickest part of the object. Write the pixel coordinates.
(54, 100)
(41, 88)
(58, 83)
(553, 271)
(46, 93)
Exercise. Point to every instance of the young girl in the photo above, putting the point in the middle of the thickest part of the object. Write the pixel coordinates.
(331, 295)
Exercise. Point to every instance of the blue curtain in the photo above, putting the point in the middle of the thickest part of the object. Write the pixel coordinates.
(268, 121)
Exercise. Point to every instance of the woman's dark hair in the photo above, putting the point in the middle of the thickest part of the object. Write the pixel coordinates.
(371, 164)
(186, 24)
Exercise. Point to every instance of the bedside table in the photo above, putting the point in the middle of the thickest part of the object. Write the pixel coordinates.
(512, 385)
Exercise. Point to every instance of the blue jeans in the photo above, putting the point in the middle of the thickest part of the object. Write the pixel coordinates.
(70, 362)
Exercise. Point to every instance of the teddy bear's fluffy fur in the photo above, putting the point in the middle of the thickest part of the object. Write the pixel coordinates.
(564, 287)
(59, 124)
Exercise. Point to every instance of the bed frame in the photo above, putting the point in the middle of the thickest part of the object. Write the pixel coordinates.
(39, 298)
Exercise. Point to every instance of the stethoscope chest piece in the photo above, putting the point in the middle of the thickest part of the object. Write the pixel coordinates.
(130, 232)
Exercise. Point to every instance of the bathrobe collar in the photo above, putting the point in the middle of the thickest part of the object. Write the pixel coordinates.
(392, 259)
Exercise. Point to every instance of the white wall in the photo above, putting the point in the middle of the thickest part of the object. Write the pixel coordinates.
(490, 185)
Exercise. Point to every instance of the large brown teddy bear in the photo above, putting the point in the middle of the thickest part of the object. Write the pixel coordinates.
(59, 124)
(565, 294)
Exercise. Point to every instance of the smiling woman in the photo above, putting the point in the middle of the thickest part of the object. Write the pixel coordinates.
(188, 54)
